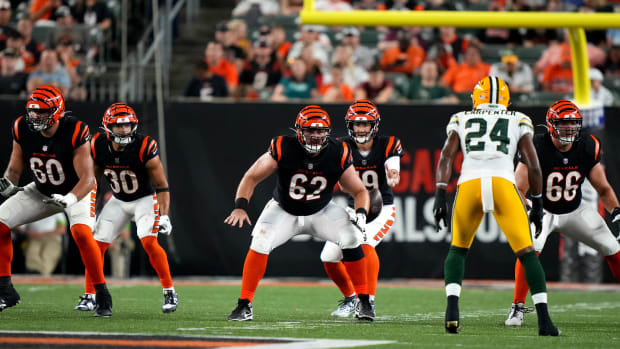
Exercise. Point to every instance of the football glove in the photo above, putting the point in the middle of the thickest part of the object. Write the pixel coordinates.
(360, 221)
(8, 189)
(62, 201)
(536, 215)
(615, 220)
(440, 208)
(165, 227)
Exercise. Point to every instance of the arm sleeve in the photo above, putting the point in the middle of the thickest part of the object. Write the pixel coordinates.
(275, 148)
(525, 125)
(453, 124)
(593, 151)
(81, 134)
(346, 158)
(151, 149)
(394, 148)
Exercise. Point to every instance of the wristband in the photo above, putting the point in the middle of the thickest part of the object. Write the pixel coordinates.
(241, 203)
(537, 196)
(361, 210)
(160, 190)
(441, 184)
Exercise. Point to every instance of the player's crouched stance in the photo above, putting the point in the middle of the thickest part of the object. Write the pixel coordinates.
(130, 163)
(56, 149)
(308, 166)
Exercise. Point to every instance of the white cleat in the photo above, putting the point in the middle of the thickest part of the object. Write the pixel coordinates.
(346, 307)
(515, 317)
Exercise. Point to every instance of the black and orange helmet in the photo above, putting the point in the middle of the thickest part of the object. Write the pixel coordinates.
(363, 110)
(560, 112)
(118, 114)
(312, 117)
(45, 106)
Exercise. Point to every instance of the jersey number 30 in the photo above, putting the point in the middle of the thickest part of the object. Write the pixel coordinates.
(499, 133)
(298, 192)
(126, 180)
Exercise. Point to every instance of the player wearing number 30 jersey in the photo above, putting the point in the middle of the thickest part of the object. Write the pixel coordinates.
(130, 163)
(56, 150)
(489, 136)
(308, 165)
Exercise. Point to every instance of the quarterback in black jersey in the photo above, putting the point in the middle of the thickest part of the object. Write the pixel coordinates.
(567, 159)
(130, 163)
(377, 161)
(308, 165)
(55, 148)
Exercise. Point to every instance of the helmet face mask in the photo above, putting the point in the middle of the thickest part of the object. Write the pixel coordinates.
(117, 134)
(568, 131)
(365, 136)
(115, 120)
(564, 121)
(362, 111)
(45, 106)
(313, 127)
(39, 119)
(315, 138)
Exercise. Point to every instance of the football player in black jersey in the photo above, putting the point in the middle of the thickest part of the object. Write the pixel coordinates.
(377, 161)
(308, 166)
(56, 149)
(567, 159)
(130, 163)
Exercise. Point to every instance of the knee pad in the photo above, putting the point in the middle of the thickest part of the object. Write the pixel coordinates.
(331, 253)
(261, 240)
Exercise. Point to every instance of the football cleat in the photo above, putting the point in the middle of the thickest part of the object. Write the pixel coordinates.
(8, 297)
(364, 309)
(515, 317)
(104, 303)
(171, 300)
(452, 315)
(87, 303)
(545, 325)
(243, 311)
(346, 307)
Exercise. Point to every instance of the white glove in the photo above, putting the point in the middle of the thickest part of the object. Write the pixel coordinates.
(8, 189)
(351, 213)
(165, 227)
(62, 201)
(360, 223)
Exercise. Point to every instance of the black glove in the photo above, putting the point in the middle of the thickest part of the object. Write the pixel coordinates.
(536, 215)
(440, 209)
(615, 220)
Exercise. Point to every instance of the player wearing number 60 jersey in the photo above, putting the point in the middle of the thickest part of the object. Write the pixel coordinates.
(56, 150)
(377, 160)
(308, 166)
(567, 159)
(130, 163)
(489, 136)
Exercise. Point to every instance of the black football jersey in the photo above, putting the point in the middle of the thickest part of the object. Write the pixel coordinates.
(305, 183)
(371, 168)
(564, 173)
(125, 170)
(51, 158)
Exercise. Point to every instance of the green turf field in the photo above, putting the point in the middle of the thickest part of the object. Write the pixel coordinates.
(407, 316)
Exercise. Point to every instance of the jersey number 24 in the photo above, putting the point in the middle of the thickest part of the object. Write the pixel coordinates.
(499, 133)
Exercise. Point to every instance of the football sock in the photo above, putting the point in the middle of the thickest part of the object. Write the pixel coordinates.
(159, 260)
(534, 273)
(354, 261)
(5, 281)
(253, 271)
(521, 287)
(6, 250)
(454, 266)
(614, 264)
(89, 288)
(89, 251)
(372, 268)
(338, 273)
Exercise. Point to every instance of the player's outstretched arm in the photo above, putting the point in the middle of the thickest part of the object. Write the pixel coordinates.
(157, 175)
(599, 181)
(264, 167)
(84, 168)
(8, 184)
(444, 171)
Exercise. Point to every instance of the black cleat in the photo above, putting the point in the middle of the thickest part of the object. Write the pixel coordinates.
(8, 297)
(104, 301)
(364, 309)
(243, 311)
(545, 325)
(171, 300)
(452, 315)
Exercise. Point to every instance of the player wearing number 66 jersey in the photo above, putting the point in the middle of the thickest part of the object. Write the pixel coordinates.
(130, 163)
(567, 159)
(55, 147)
(489, 137)
(308, 165)
(377, 160)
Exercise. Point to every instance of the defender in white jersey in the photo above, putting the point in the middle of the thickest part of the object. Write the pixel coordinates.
(489, 137)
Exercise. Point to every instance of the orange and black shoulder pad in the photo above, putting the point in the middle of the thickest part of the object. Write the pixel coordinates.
(394, 148)
(347, 156)
(275, 148)
(81, 134)
(15, 130)
(148, 149)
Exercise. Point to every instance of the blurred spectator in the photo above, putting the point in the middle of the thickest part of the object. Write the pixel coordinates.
(291, 7)
(554, 53)
(49, 72)
(426, 86)
(24, 26)
(518, 75)
(599, 94)
(265, 7)
(332, 5)
(369, 5)
(214, 56)
(353, 74)
(337, 90)
(93, 13)
(71, 63)
(310, 37)
(261, 74)
(45, 243)
(232, 51)
(612, 61)
(438, 5)
(16, 41)
(43, 9)
(64, 17)
(239, 32)
(362, 55)
(454, 46)
(404, 58)
(206, 84)
(313, 65)
(558, 77)
(299, 85)
(280, 44)
(463, 77)
(12, 82)
(498, 36)
(377, 88)
(613, 37)
(5, 18)
(120, 254)
(401, 5)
